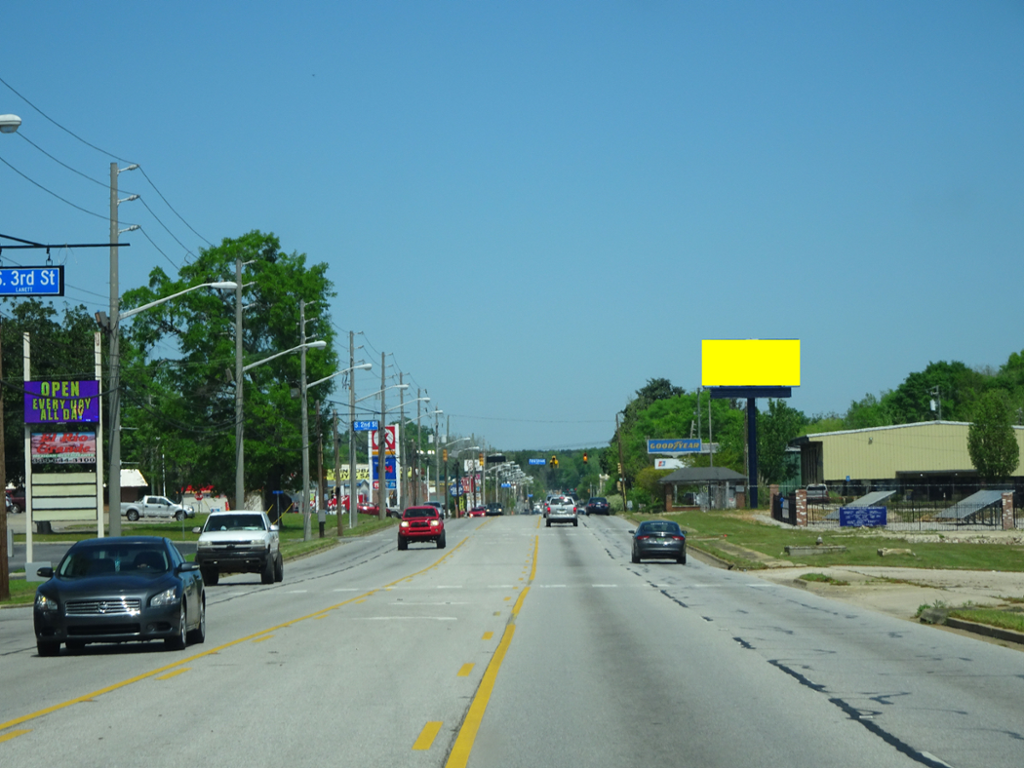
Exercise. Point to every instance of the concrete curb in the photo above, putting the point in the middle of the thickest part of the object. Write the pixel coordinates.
(984, 629)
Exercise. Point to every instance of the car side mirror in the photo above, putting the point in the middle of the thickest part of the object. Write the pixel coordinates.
(632, 531)
(187, 567)
(46, 573)
(274, 527)
(197, 529)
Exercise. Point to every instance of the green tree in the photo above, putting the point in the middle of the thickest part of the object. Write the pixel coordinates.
(959, 387)
(870, 411)
(991, 441)
(179, 362)
(775, 428)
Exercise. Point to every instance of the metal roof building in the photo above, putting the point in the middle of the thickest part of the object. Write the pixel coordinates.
(904, 452)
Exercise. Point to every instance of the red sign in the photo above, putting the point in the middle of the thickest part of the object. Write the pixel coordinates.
(389, 440)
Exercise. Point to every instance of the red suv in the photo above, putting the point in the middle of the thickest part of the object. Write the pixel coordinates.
(421, 524)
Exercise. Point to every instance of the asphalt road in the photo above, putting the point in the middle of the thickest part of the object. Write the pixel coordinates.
(519, 645)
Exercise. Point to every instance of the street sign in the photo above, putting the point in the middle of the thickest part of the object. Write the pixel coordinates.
(538, 462)
(32, 281)
(364, 426)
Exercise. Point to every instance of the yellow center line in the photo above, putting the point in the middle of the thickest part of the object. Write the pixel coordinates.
(427, 735)
(465, 670)
(169, 675)
(14, 734)
(459, 756)
(487, 636)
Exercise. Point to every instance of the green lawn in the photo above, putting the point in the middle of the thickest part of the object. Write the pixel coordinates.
(707, 530)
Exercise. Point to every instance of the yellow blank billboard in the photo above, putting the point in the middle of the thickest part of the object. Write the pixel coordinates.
(750, 363)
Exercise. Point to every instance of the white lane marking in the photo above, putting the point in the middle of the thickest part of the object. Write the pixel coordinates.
(499, 586)
(606, 586)
(550, 586)
(345, 589)
(456, 586)
(402, 618)
(297, 592)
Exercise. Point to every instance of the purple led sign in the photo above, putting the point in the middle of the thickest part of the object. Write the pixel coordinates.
(59, 402)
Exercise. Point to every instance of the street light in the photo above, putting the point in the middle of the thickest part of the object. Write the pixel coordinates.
(9, 123)
(360, 367)
(114, 484)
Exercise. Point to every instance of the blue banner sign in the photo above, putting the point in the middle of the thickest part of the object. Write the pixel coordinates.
(538, 462)
(61, 401)
(389, 468)
(32, 281)
(364, 426)
(862, 517)
(674, 445)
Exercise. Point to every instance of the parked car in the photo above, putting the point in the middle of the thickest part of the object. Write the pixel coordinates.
(659, 539)
(598, 505)
(155, 506)
(17, 498)
(242, 541)
(421, 524)
(817, 492)
(120, 589)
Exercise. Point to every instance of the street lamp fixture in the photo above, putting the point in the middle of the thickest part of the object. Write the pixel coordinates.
(9, 123)
(114, 484)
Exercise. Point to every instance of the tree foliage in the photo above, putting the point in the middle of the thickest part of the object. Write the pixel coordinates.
(991, 442)
(775, 429)
(179, 362)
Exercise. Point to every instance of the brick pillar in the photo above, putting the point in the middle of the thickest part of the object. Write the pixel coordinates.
(669, 493)
(1008, 511)
(801, 508)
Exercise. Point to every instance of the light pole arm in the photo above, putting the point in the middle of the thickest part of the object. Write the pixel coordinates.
(150, 305)
(367, 397)
(312, 345)
(363, 367)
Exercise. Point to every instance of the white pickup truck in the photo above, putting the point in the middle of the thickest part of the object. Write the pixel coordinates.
(155, 506)
(243, 541)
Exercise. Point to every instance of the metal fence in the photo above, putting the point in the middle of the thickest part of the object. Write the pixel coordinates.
(911, 508)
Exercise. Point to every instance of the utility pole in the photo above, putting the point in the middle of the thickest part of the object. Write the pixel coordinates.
(622, 469)
(307, 533)
(337, 471)
(382, 433)
(437, 461)
(353, 485)
(320, 504)
(400, 444)
(5, 576)
(114, 397)
(239, 402)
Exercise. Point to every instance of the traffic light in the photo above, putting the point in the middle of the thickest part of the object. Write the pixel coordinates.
(553, 461)
(444, 455)
(584, 458)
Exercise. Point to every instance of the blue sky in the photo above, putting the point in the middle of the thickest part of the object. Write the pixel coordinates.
(558, 201)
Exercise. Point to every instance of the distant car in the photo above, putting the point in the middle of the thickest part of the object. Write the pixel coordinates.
(817, 492)
(598, 505)
(659, 539)
(494, 508)
(421, 524)
(562, 510)
(117, 590)
(477, 511)
(17, 498)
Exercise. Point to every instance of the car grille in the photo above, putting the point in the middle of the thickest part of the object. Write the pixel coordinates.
(116, 607)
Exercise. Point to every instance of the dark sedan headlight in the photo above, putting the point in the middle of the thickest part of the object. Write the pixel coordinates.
(165, 598)
(44, 603)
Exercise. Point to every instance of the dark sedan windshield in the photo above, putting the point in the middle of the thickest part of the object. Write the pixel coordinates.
(86, 562)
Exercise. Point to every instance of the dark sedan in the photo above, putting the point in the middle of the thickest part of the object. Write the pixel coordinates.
(598, 505)
(120, 589)
(659, 539)
(494, 508)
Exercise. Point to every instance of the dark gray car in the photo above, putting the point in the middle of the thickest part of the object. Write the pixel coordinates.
(659, 539)
(120, 589)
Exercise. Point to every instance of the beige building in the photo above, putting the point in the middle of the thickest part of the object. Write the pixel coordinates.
(931, 450)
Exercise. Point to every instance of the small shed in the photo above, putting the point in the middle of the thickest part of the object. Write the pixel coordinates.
(724, 487)
(133, 485)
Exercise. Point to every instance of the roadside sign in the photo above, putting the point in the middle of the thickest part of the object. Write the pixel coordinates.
(538, 462)
(32, 281)
(862, 517)
(389, 440)
(674, 445)
(364, 426)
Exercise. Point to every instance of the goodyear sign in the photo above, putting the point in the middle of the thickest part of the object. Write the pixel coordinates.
(674, 445)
